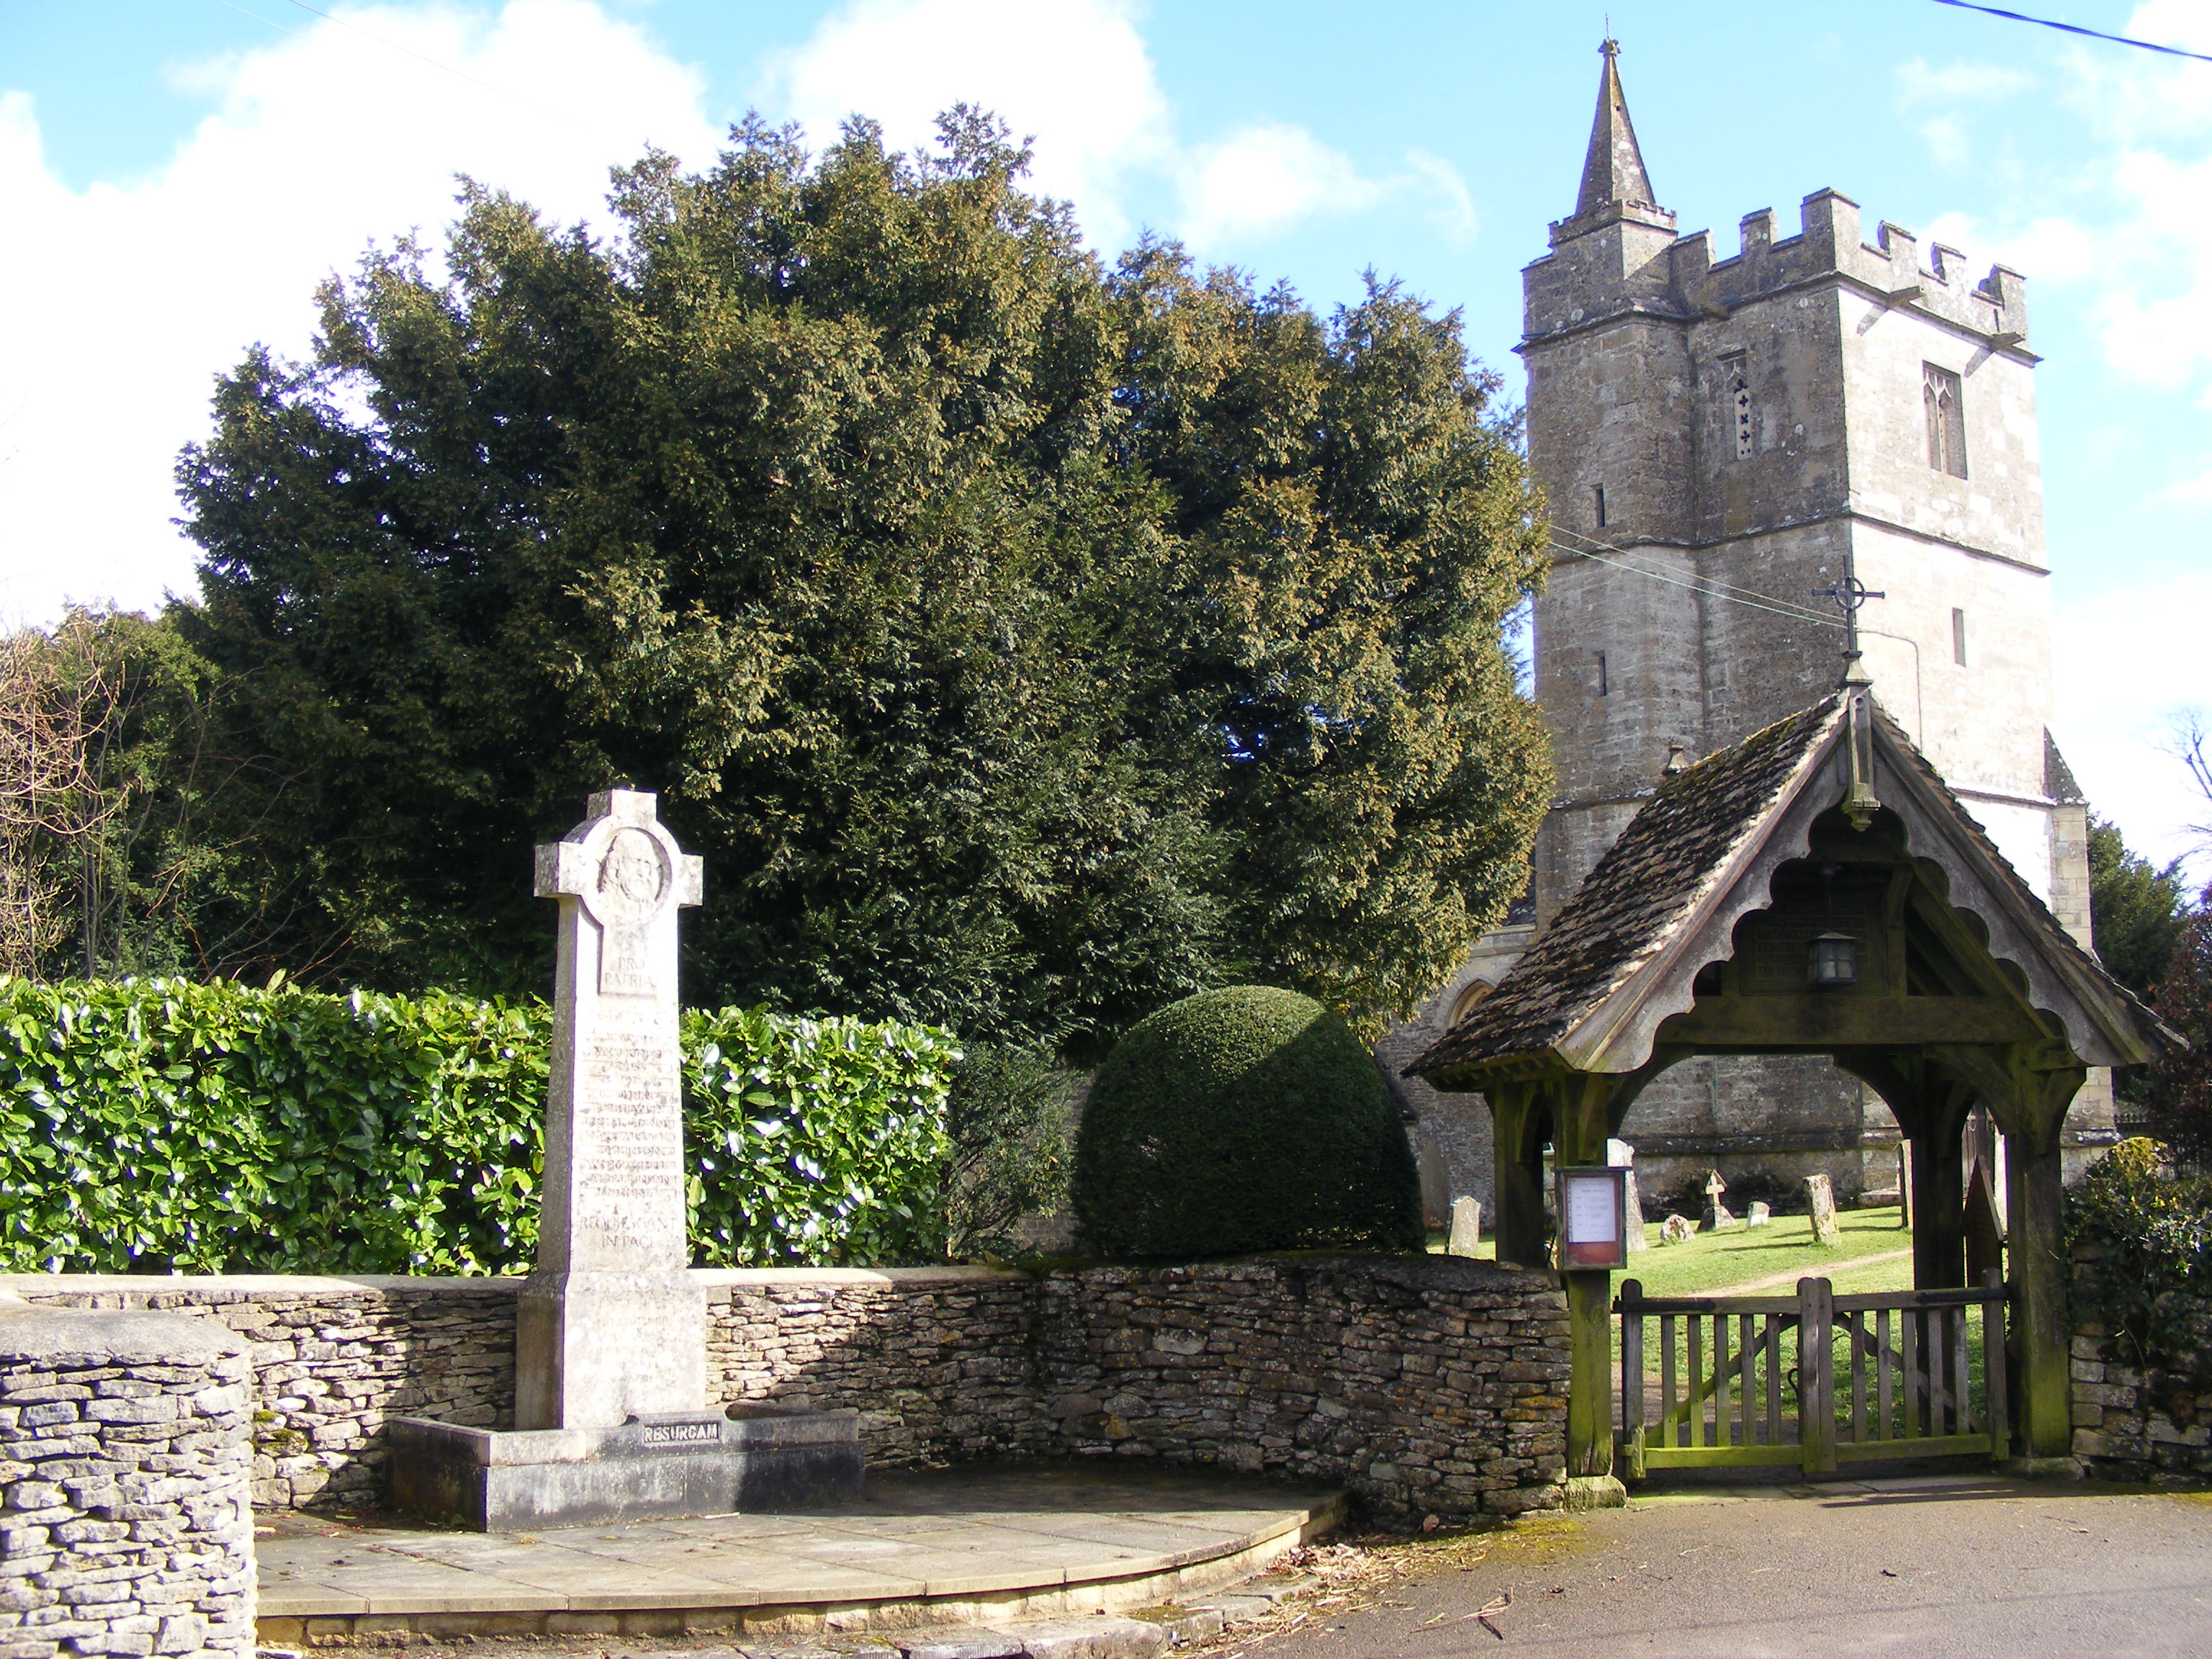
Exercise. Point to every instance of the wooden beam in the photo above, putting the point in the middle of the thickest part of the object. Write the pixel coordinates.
(1839, 1020)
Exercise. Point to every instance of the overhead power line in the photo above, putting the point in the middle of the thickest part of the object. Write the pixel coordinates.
(2073, 28)
(1597, 552)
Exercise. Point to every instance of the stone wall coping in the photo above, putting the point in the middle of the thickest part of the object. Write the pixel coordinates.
(1434, 1270)
(34, 1286)
(33, 1334)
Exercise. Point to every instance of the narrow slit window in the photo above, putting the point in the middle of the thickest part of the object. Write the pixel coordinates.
(1946, 420)
(1604, 682)
(1959, 638)
(1740, 409)
(1597, 494)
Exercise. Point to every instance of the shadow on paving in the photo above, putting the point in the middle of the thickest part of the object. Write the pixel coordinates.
(1959, 1564)
(970, 1489)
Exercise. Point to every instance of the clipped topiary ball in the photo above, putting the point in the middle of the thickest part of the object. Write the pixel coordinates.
(1248, 1119)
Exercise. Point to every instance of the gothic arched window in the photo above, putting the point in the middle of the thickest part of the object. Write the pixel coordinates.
(1946, 420)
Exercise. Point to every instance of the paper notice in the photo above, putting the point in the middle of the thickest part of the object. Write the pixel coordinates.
(1593, 1217)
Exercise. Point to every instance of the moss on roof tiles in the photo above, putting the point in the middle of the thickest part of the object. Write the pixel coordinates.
(1645, 887)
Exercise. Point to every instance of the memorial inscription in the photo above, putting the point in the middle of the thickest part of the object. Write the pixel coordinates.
(682, 1434)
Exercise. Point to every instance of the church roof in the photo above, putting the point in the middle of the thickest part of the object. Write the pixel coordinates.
(1671, 852)
(1613, 171)
(1618, 958)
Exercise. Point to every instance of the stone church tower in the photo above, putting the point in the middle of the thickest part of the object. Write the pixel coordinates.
(1720, 438)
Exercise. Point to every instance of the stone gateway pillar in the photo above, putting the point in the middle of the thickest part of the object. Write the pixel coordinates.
(610, 1326)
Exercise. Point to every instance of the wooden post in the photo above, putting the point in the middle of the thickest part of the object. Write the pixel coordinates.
(1939, 1204)
(1517, 1180)
(2043, 1413)
(1632, 1379)
(1579, 1127)
(1589, 1397)
(1995, 1362)
(1905, 1183)
(1816, 1377)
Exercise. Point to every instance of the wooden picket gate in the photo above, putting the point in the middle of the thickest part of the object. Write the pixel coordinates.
(1924, 1377)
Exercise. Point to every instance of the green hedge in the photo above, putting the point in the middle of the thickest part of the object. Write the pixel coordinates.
(1240, 1120)
(149, 1124)
(2141, 1242)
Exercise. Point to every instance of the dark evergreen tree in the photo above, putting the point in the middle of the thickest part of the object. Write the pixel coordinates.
(2136, 909)
(1024, 643)
(2180, 1097)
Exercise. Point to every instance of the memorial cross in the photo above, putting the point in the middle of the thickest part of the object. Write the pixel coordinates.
(610, 1325)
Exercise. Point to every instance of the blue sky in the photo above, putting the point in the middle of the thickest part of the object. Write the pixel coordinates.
(175, 175)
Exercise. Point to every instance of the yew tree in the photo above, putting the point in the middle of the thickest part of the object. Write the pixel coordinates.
(1026, 642)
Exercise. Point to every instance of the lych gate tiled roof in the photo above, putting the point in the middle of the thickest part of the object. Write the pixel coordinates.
(1645, 888)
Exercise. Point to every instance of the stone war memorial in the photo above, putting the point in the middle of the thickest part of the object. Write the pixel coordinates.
(611, 1415)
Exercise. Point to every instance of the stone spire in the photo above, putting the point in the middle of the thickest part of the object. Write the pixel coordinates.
(1613, 173)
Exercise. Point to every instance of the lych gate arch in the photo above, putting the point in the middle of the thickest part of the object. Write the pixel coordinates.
(1815, 890)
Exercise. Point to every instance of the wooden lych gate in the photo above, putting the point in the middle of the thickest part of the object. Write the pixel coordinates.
(1815, 1380)
(1816, 891)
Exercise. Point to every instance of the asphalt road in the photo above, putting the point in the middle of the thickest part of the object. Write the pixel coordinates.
(1943, 1566)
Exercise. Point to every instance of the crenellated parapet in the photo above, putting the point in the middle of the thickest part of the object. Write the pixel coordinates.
(1625, 260)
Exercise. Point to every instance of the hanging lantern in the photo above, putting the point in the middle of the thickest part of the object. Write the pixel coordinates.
(1835, 960)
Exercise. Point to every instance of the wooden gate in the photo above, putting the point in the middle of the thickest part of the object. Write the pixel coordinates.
(1747, 1380)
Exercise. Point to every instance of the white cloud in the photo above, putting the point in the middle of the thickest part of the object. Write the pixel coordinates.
(1935, 97)
(119, 304)
(1074, 74)
(1264, 177)
(2124, 658)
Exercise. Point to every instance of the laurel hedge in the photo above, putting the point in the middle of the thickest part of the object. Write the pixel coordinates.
(2140, 1237)
(1240, 1120)
(159, 1124)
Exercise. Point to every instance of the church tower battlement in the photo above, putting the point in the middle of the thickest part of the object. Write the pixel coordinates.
(1720, 440)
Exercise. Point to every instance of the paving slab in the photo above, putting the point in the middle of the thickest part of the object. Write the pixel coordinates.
(1038, 1541)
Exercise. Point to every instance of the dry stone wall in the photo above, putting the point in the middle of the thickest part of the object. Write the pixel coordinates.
(332, 1358)
(2138, 1421)
(1419, 1383)
(124, 1525)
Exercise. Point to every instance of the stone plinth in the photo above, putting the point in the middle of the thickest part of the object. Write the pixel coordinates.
(688, 1463)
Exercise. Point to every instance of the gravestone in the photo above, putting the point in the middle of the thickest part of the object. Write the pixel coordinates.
(1622, 1156)
(1718, 1214)
(1676, 1230)
(1466, 1227)
(1984, 1237)
(1759, 1215)
(612, 1421)
(1821, 1199)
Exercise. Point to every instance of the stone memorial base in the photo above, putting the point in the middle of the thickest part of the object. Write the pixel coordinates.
(686, 1463)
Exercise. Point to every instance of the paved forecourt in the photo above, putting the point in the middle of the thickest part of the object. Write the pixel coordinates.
(984, 1542)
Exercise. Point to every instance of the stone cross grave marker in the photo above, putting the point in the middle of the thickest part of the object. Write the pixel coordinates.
(1718, 1214)
(1822, 1201)
(610, 1326)
(1466, 1227)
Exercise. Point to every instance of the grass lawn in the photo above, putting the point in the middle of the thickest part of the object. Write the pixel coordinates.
(1713, 1261)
